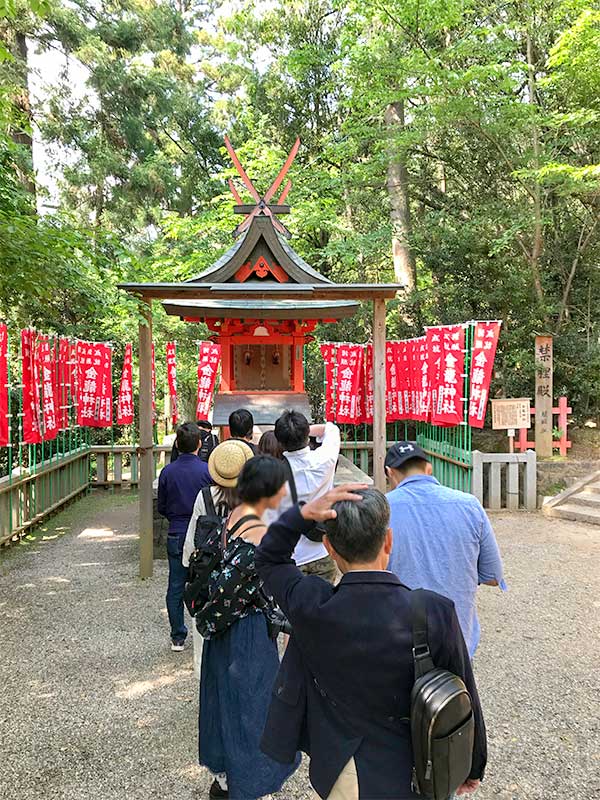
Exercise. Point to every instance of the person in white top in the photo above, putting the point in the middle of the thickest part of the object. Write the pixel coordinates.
(313, 473)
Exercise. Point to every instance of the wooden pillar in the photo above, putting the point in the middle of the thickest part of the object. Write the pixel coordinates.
(379, 428)
(543, 396)
(298, 364)
(146, 441)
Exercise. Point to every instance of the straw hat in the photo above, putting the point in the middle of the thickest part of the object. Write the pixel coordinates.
(226, 461)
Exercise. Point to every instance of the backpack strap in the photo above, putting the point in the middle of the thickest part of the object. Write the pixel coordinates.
(421, 654)
(241, 522)
(209, 503)
(291, 480)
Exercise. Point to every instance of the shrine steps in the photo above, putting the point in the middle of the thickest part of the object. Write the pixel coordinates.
(580, 502)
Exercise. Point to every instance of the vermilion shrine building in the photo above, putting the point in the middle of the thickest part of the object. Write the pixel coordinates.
(261, 302)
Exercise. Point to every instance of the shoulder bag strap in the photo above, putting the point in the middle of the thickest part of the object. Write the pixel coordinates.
(421, 653)
(291, 481)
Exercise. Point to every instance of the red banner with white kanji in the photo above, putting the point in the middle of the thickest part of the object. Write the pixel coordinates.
(32, 433)
(47, 367)
(172, 379)
(328, 353)
(368, 393)
(125, 399)
(391, 383)
(485, 342)
(4, 419)
(153, 373)
(209, 358)
(63, 381)
(349, 375)
(94, 384)
(449, 407)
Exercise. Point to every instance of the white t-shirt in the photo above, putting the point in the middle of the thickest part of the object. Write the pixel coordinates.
(314, 471)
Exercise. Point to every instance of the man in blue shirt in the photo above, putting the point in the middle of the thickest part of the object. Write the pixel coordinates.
(443, 540)
(178, 486)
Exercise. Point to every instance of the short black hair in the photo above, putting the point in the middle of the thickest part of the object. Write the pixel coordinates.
(358, 531)
(412, 464)
(261, 477)
(204, 424)
(241, 423)
(292, 430)
(188, 437)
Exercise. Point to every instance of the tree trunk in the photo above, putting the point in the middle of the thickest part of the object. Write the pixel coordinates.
(21, 100)
(398, 192)
(538, 233)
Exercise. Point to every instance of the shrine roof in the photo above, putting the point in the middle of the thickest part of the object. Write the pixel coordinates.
(261, 309)
(264, 290)
(225, 268)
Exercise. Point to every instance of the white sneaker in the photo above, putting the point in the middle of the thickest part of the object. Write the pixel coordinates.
(177, 647)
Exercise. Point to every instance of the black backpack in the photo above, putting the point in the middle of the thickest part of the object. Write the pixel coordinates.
(208, 547)
(441, 718)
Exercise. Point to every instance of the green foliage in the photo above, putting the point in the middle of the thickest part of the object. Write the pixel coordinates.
(500, 142)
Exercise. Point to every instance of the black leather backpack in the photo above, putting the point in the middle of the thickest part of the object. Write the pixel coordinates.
(441, 718)
(208, 548)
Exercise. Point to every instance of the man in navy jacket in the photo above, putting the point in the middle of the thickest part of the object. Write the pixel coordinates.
(178, 486)
(342, 694)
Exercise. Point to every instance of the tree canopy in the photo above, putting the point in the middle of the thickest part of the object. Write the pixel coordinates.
(452, 145)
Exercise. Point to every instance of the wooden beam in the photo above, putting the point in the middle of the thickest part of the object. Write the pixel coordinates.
(379, 416)
(258, 291)
(146, 441)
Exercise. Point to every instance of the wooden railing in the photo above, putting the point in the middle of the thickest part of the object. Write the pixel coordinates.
(119, 465)
(27, 497)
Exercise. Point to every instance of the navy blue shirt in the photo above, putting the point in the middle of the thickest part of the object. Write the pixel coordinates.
(178, 486)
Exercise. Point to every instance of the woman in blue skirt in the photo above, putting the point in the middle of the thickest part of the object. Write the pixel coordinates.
(239, 657)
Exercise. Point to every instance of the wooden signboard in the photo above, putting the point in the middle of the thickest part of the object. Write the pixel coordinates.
(543, 396)
(511, 413)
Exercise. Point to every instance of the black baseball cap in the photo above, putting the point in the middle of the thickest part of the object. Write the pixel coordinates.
(404, 451)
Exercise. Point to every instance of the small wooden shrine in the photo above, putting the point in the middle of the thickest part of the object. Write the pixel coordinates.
(261, 301)
(262, 340)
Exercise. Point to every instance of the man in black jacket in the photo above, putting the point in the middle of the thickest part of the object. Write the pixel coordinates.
(342, 694)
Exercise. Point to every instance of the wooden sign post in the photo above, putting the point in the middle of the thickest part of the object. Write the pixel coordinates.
(543, 396)
(509, 414)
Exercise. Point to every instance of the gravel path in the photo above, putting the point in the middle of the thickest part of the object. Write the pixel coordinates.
(94, 706)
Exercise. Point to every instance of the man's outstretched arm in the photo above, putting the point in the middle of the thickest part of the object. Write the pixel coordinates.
(274, 563)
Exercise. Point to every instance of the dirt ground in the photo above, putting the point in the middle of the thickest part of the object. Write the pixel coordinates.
(95, 706)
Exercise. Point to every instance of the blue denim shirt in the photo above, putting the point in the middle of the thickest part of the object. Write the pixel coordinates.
(178, 485)
(443, 541)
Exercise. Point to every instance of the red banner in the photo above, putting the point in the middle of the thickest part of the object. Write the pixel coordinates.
(172, 379)
(94, 389)
(4, 419)
(449, 409)
(125, 400)
(349, 370)
(63, 372)
(209, 357)
(31, 388)
(434, 337)
(368, 393)
(328, 353)
(485, 342)
(48, 375)
(391, 383)
(153, 387)
(422, 370)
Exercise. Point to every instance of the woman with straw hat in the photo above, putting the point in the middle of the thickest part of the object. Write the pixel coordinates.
(239, 658)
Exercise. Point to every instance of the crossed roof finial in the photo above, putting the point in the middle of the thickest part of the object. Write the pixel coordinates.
(263, 204)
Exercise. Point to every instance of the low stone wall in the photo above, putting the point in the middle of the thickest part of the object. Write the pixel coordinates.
(555, 476)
